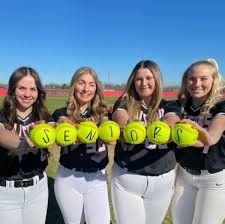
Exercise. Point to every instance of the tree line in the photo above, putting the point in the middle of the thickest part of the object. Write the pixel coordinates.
(106, 86)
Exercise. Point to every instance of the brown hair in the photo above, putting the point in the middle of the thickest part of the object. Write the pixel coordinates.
(40, 111)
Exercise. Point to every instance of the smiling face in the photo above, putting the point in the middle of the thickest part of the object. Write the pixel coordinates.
(26, 94)
(199, 82)
(144, 83)
(84, 90)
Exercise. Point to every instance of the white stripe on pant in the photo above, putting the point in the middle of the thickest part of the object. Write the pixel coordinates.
(24, 205)
(199, 199)
(77, 191)
(139, 199)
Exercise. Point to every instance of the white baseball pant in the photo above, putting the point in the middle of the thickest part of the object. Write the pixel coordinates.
(77, 191)
(199, 199)
(141, 199)
(24, 205)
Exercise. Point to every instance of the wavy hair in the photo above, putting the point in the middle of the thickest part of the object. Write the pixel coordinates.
(98, 108)
(216, 92)
(39, 111)
(132, 99)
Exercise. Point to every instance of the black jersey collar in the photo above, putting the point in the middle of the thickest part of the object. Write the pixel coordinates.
(86, 113)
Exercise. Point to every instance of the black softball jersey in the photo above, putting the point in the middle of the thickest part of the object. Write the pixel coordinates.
(208, 158)
(22, 163)
(147, 158)
(82, 156)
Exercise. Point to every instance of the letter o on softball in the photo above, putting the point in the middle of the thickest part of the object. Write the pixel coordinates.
(134, 133)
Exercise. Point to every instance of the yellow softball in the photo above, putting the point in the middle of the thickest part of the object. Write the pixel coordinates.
(109, 131)
(184, 135)
(158, 132)
(87, 132)
(134, 133)
(66, 134)
(42, 135)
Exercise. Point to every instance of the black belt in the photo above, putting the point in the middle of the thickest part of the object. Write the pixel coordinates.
(198, 172)
(21, 183)
(87, 170)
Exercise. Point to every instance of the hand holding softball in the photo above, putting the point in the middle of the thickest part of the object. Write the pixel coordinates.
(184, 135)
(121, 117)
(203, 134)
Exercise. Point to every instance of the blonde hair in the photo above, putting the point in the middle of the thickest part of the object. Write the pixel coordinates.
(131, 97)
(98, 108)
(216, 92)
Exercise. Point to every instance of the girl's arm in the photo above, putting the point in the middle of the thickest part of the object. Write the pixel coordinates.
(211, 135)
(121, 117)
(11, 141)
(171, 119)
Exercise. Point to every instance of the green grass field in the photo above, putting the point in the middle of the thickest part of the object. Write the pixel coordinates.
(54, 215)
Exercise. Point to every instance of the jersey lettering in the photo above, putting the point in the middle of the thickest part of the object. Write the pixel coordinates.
(127, 147)
(207, 120)
(91, 148)
(203, 121)
(160, 113)
(163, 146)
(101, 148)
(149, 145)
(23, 130)
(143, 117)
(205, 150)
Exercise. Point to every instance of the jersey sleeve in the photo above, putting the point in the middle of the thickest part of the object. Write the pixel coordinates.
(59, 113)
(219, 108)
(173, 106)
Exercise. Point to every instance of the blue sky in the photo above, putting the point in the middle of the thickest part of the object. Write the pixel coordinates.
(58, 36)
